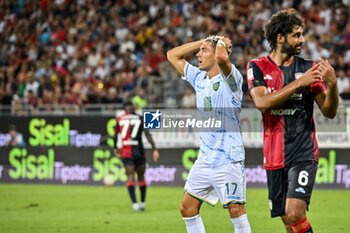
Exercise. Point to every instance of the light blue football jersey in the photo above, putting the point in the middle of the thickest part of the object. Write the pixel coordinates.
(219, 97)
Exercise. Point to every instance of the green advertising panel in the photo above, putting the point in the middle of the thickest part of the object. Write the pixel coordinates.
(70, 165)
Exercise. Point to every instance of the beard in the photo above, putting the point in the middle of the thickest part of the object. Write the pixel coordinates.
(291, 50)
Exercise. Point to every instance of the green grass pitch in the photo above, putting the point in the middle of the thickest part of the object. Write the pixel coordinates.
(58, 208)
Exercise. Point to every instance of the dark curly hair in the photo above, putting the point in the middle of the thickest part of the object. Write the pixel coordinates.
(283, 22)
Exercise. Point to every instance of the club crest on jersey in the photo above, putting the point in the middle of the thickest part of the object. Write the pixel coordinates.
(216, 86)
(298, 75)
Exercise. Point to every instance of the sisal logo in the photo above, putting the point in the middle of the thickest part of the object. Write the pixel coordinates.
(282, 112)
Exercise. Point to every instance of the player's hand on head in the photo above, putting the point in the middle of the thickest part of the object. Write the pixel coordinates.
(155, 155)
(312, 75)
(327, 72)
(228, 43)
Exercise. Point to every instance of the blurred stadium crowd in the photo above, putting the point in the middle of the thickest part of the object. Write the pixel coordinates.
(80, 52)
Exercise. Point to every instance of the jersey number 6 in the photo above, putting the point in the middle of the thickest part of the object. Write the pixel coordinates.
(303, 178)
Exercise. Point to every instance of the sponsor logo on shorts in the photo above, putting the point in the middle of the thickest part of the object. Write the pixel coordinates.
(233, 197)
(300, 190)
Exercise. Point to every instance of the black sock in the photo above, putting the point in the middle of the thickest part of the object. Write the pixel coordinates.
(131, 189)
(143, 193)
(309, 230)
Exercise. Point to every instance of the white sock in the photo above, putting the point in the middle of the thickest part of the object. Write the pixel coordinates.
(135, 206)
(241, 224)
(142, 206)
(194, 224)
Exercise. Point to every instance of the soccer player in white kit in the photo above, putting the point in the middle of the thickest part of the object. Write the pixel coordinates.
(218, 172)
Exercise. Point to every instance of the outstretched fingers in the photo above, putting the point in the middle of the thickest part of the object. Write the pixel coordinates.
(315, 72)
(327, 71)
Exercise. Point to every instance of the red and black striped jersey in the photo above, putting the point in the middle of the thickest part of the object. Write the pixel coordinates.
(130, 127)
(289, 130)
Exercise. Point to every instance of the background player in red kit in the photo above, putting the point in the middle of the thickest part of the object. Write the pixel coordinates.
(284, 87)
(132, 152)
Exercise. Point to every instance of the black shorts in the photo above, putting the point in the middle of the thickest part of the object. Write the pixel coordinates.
(294, 182)
(134, 161)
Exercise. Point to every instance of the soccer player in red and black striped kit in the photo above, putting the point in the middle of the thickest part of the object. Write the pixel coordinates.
(284, 87)
(132, 152)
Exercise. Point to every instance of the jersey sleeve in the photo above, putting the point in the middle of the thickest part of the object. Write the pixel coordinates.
(191, 73)
(254, 76)
(318, 87)
(234, 79)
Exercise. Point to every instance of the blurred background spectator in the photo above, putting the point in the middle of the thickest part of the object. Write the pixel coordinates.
(189, 98)
(15, 138)
(105, 52)
(343, 83)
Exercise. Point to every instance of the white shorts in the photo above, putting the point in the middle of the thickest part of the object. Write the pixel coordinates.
(209, 184)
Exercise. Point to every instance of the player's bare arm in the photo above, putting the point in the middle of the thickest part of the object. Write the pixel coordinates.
(117, 152)
(264, 100)
(223, 47)
(328, 101)
(176, 56)
(155, 154)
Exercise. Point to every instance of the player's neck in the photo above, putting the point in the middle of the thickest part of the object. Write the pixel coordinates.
(281, 59)
(213, 72)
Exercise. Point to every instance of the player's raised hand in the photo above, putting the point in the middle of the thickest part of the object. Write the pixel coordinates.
(227, 42)
(155, 155)
(312, 75)
(327, 72)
